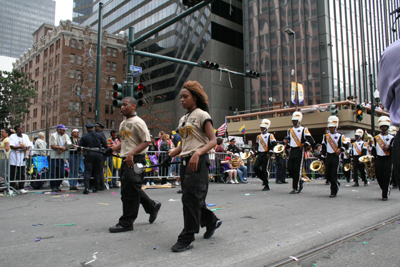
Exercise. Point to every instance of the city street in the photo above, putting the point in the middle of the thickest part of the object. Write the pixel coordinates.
(259, 228)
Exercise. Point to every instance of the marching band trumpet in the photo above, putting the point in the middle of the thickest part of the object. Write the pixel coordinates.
(280, 149)
(318, 166)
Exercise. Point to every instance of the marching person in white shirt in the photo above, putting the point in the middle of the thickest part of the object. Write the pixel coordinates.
(359, 148)
(332, 146)
(299, 139)
(381, 151)
(19, 144)
(265, 145)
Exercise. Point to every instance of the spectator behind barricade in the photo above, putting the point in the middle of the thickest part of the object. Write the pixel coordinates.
(41, 145)
(219, 149)
(232, 148)
(164, 147)
(346, 106)
(113, 141)
(159, 141)
(75, 158)
(19, 144)
(58, 141)
(238, 164)
(226, 164)
(5, 140)
(152, 160)
(356, 100)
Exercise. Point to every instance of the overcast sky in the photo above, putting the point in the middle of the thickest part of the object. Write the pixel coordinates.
(63, 11)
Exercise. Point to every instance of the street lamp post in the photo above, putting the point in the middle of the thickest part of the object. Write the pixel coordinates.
(291, 32)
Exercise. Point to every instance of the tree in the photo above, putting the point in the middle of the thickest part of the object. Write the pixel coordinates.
(17, 91)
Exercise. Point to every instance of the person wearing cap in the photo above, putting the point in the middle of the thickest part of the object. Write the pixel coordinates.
(299, 139)
(58, 141)
(359, 148)
(345, 157)
(232, 148)
(238, 164)
(93, 160)
(332, 145)
(381, 150)
(75, 158)
(99, 129)
(135, 139)
(265, 144)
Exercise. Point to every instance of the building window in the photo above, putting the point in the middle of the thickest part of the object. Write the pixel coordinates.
(114, 66)
(90, 76)
(108, 65)
(42, 124)
(90, 91)
(108, 79)
(78, 75)
(114, 52)
(80, 43)
(76, 121)
(107, 94)
(112, 124)
(106, 124)
(89, 107)
(37, 72)
(70, 105)
(124, 68)
(69, 120)
(112, 110)
(73, 45)
(72, 58)
(108, 51)
(37, 59)
(79, 60)
(72, 74)
(51, 49)
(44, 81)
(89, 120)
(125, 54)
(107, 109)
(34, 126)
(30, 64)
(35, 100)
(45, 52)
(35, 113)
(58, 42)
(44, 67)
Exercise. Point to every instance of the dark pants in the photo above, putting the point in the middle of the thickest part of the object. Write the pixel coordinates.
(17, 173)
(113, 171)
(280, 169)
(396, 159)
(94, 166)
(57, 171)
(262, 161)
(194, 193)
(331, 166)
(358, 166)
(294, 167)
(346, 174)
(383, 170)
(74, 162)
(132, 194)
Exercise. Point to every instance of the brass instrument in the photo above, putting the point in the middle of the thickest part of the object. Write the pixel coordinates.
(369, 165)
(250, 157)
(318, 166)
(246, 155)
(280, 149)
(347, 167)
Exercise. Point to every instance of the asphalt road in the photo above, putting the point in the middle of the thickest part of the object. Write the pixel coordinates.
(259, 228)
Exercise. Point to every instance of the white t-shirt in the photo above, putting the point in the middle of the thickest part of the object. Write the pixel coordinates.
(17, 156)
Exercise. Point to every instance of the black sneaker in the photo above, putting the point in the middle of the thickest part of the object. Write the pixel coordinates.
(355, 185)
(179, 191)
(154, 213)
(119, 228)
(301, 186)
(293, 192)
(266, 188)
(181, 246)
(211, 229)
(332, 196)
(384, 199)
(278, 182)
(85, 192)
(366, 183)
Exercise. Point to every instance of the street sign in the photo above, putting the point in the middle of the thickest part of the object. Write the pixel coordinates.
(135, 73)
(135, 69)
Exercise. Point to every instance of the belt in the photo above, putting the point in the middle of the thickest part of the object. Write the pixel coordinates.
(295, 147)
(137, 155)
(94, 148)
(382, 156)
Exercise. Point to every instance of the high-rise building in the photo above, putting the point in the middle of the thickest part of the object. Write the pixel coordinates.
(213, 33)
(62, 63)
(83, 9)
(18, 20)
(338, 45)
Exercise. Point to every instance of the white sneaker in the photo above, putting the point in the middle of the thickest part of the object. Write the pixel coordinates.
(167, 183)
(152, 183)
(23, 191)
(231, 182)
(147, 183)
(176, 183)
(236, 182)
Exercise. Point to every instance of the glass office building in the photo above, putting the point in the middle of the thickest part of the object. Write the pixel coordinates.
(18, 20)
(338, 45)
(82, 9)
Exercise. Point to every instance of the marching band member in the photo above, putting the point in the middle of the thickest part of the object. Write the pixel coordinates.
(381, 151)
(359, 149)
(332, 146)
(299, 138)
(265, 143)
(346, 159)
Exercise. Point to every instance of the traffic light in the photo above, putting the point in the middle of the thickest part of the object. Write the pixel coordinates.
(252, 74)
(334, 110)
(138, 93)
(359, 112)
(191, 3)
(118, 95)
(209, 65)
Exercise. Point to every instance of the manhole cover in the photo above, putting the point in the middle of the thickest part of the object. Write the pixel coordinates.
(62, 199)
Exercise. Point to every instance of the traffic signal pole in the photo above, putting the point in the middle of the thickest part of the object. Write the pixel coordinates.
(98, 66)
(371, 84)
(129, 77)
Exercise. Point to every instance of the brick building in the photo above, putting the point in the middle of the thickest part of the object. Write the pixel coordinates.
(62, 62)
